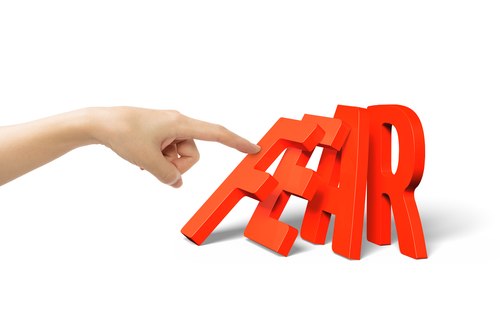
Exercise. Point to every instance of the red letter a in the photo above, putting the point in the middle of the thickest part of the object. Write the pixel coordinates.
(343, 189)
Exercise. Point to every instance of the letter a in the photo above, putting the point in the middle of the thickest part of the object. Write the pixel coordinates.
(343, 189)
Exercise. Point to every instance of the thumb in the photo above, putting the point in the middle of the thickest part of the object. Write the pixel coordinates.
(165, 171)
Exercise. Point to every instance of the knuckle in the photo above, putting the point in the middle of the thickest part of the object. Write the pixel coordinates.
(175, 115)
(196, 157)
(173, 119)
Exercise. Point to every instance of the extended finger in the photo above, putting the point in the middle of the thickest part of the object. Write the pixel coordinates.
(201, 130)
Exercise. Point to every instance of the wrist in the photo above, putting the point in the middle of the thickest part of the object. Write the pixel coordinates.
(68, 130)
(93, 124)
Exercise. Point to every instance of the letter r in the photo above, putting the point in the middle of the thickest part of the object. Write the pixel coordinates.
(386, 189)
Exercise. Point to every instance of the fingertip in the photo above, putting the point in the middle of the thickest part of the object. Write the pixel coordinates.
(250, 148)
(254, 149)
(177, 180)
(177, 184)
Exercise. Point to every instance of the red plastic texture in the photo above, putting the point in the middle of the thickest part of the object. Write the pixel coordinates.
(343, 190)
(386, 189)
(249, 178)
(264, 226)
(356, 154)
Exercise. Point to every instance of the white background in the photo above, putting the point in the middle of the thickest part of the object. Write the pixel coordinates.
(89, 243)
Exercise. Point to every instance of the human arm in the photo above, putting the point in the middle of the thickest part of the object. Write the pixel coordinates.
(159, 141)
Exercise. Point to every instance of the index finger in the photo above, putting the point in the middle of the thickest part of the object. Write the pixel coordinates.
(202, 130)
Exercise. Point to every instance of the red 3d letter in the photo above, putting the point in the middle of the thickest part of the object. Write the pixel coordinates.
(385, 188)
(343, 189)
(249, 178)
(347, 166)
(264, 226)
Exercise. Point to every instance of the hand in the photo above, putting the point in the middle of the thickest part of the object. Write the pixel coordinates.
(160, 141)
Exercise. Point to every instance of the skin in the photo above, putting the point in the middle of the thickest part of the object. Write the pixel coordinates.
(159, 141)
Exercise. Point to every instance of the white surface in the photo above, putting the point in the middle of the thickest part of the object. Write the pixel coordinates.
(91, 244)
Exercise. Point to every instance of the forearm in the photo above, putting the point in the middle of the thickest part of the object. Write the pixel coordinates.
(159, 141)
(27, 146)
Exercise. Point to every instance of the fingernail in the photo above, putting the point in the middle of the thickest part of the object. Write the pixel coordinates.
(177, 184)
